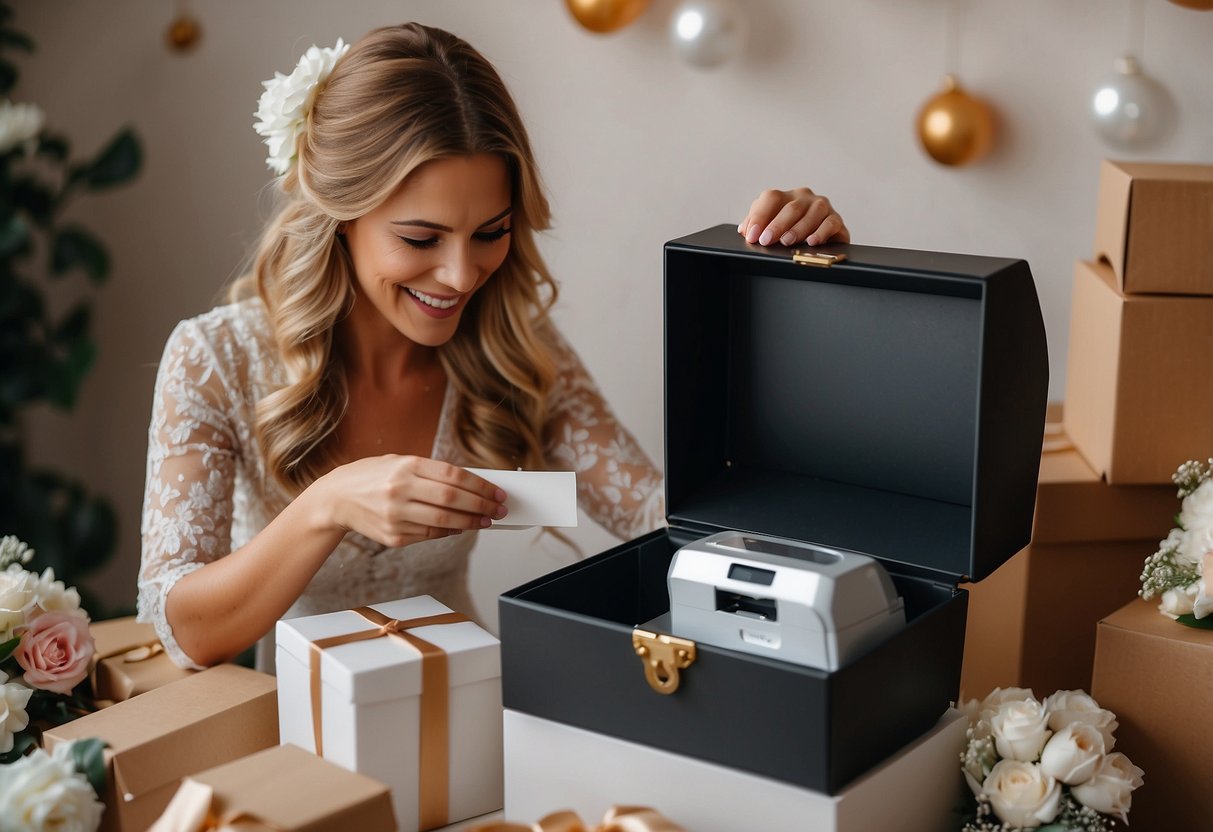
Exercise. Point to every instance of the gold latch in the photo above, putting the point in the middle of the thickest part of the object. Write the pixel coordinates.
(816, 258)
(663, 656)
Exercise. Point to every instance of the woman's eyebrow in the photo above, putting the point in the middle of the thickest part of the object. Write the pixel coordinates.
(438, 227)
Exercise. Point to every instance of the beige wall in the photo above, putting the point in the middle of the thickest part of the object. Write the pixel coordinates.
(636, 148)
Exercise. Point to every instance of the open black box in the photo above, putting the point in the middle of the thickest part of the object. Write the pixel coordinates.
(891, 404)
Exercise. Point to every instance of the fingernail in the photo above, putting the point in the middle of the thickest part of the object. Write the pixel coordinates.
(751, 236)
(811, 240)
(499, 495)
(765, 239)
(499, 512)
(485, 522)
(741, 228)
(788, 238)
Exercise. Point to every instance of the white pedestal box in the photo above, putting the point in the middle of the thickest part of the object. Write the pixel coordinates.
(371, 706)
(552, 766)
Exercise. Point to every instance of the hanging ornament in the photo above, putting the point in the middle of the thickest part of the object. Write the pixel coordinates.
(184, 32)
(708, 32)
(604, 16)
(1129, 108)
(1200, 5)
(954, 127)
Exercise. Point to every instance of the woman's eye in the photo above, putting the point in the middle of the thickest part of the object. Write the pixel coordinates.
(492, 236)
(428, 242)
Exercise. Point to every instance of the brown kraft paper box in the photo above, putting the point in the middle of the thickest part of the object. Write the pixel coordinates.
(1032, 623)
(128, 660)
(1154, 226)
(1139, 384)
(159, 737)
(287, 789)
(1156, 675)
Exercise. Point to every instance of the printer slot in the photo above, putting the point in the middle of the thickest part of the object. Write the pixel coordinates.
(746, 605)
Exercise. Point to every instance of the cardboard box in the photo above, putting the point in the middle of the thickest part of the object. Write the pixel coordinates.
(376, 701)
(1154, 226)
(1156, 675)
(129, 660)
(1139, 383)
(1032, 623)
(552, 766)
(283, 789)
(891, 404)
(161, 736)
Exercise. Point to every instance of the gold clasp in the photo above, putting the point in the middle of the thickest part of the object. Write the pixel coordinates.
(663, 656)
(816, 258)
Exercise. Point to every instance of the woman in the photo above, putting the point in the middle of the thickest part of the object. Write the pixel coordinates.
(308, 440)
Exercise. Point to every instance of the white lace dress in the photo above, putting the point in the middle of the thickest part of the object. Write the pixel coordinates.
(208, 493)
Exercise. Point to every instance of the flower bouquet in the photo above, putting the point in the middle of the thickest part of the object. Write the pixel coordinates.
(1045, 765)
(1176, 572)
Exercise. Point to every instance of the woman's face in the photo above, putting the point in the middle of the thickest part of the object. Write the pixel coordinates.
(421, 255)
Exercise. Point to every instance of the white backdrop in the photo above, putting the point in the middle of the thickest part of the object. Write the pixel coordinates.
(636, 148)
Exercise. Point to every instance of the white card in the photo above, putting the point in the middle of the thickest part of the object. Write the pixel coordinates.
(535, 498)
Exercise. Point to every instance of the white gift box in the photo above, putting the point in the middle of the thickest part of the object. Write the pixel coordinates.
(551, 766)
(373, 717)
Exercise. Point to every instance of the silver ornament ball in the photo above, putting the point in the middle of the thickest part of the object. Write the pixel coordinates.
(707, 33)
(1129, 108)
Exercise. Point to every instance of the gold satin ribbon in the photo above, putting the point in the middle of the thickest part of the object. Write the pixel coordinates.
(434, 743)
(137, 652)
(617, 819)
(192, 810)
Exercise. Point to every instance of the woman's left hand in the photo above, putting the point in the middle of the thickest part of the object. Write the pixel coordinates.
(791, 217)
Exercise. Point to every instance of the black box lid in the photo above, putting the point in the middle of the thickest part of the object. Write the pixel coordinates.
(892, 404)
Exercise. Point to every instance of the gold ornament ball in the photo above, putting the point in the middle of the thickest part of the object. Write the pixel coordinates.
(954, 127)
(604, 16)
(1200, 5)
(183, 34)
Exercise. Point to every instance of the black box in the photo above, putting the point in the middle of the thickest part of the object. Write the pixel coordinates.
(892, 404)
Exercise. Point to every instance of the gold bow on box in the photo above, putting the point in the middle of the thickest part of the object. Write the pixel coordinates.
(617, 819)
(130, 660)
(192, 809)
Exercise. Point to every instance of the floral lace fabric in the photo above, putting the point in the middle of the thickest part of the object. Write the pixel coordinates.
(208, 494)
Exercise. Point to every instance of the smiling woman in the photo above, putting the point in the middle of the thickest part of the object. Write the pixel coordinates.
(309, 440)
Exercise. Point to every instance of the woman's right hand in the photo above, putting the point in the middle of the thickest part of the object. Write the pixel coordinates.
(398, 500)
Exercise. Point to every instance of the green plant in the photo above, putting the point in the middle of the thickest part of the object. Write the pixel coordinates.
(45, 355)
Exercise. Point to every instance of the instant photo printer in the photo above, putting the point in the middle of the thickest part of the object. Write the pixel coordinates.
(853, 399)
(785, 599)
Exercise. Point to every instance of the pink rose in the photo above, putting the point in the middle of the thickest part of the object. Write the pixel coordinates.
(54, 651)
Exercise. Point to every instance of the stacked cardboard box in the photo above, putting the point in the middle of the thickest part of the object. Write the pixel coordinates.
(1139, 387)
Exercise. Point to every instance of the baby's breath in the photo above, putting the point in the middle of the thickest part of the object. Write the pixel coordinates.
(13, 550)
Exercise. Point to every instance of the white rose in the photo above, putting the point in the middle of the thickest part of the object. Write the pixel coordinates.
(283, 107)
(1072, 754)
(53, 596)
(1110, 789)
(1020, 729)
(14, 696)
(990, 704)
(43, 792)
(1022, 795)
(1176, 602)
(1069, 706)
(1196, 517)
(1202, 604)
(19, 123)
(16, 595)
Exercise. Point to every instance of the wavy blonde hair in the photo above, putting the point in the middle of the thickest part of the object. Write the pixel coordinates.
(403, 96)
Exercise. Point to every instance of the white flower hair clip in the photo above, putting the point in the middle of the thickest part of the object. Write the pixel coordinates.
(283, 108)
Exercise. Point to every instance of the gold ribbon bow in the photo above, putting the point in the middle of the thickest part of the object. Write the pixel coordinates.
(617, 819)
(192, 809)
(434, 743)
(131, 653)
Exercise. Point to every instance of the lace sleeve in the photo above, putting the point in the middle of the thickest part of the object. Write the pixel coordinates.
(617, 485)
(191, 462)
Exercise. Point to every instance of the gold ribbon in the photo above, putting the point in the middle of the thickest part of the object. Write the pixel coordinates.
(434, 751)
(617, 819)
(192, 809)
(131, 653)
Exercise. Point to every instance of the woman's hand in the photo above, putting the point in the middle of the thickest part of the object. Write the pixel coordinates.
(790, 217)
(398, 500)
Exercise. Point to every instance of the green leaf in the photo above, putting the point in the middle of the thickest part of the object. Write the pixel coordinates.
(74, 325)
(23, 741)
(14, 236)
(91, 529)
(17, 40)
(8, 77)
(1190, 620)
(89, 755)
(35, 198)
(118, 163)
(7, 648)
(53, 146)
(73, 246)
